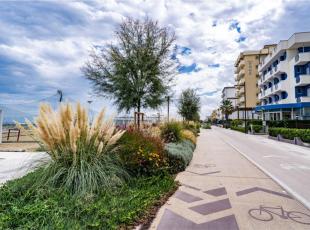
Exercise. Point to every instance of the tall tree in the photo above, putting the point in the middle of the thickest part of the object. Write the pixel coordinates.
(137, 70)
(189, 105)
(226, 108)
(213, 116)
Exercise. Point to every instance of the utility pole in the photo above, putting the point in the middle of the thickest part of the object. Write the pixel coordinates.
(168, 101)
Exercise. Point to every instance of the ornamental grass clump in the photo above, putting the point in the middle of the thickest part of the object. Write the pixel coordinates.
(171, 131)
(189, 135)
(83, 158)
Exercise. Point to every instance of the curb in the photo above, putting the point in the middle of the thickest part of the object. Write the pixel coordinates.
(298, 197)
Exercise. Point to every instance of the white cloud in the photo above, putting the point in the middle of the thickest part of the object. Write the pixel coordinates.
(56, 51)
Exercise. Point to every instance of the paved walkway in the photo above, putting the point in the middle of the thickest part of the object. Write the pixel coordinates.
(17, 164)
(222, 190)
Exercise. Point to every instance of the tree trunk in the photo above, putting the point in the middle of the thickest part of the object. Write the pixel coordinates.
(139, 109)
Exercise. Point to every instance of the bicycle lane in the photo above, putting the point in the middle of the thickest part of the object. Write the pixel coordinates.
(223, 190)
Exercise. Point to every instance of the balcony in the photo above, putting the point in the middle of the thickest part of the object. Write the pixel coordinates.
(242, 63)
(277, 87)
(303, 99)
(280, 68)
(302, 58)
(241, 74)
(269, 91)
(303, 80)
(241, 82)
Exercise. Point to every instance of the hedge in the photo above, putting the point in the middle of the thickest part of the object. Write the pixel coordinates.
(238, 128)
(206, 126)
(287, 133)
(299, 124)
(257, 128)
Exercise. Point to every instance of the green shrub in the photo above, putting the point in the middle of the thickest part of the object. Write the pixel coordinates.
(171, 131)
(299, 124)
(192, 126)
(179, 155)
(141, 154)
(236, 123)
(287, 133)
(257, 128)
(206, 126)
(238, 128)
(255, 122)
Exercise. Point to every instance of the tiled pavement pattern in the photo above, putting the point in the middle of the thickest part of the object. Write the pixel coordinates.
(218, 190)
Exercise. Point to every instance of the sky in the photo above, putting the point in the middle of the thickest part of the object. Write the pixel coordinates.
(44, 44)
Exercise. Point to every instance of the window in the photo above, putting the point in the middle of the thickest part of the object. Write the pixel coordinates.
(298, 69)
(284, 95)
(276, 81)
(250, 67)
(276, 97)
(256, 57)
(283, 76)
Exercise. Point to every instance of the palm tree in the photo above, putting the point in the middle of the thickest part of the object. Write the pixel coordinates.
(226, 108)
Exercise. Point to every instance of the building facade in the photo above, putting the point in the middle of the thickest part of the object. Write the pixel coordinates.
(246, 78)
(284, 80)
(229, 93)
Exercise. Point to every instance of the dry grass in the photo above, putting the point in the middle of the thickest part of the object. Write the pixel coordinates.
(81, 153)
(189, 135)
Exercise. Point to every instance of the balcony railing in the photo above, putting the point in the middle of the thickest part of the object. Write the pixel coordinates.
(303, 80)
(302, 58)
(303, 99)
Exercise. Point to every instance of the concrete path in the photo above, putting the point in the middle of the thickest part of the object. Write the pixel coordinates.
(17, 164)
(222, 190)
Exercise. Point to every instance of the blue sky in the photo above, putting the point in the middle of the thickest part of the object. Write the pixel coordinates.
(43, 44)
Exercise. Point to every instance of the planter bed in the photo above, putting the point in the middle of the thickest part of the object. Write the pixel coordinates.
(128, 206)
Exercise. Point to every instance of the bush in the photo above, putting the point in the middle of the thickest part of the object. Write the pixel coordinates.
(192, 126)
(303, 134)
(206, 126)
(257, 128)
(299, 124)
(255, 122)
(82, 155)
(179, 155)
(141, 154)
(189, 135)
(236, 123)
(238, 128)
(171, 131)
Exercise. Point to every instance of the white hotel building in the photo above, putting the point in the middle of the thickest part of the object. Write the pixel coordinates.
(284, 79)
(229, 93)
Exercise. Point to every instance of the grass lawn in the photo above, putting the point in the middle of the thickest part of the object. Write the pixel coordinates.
(122, 208)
